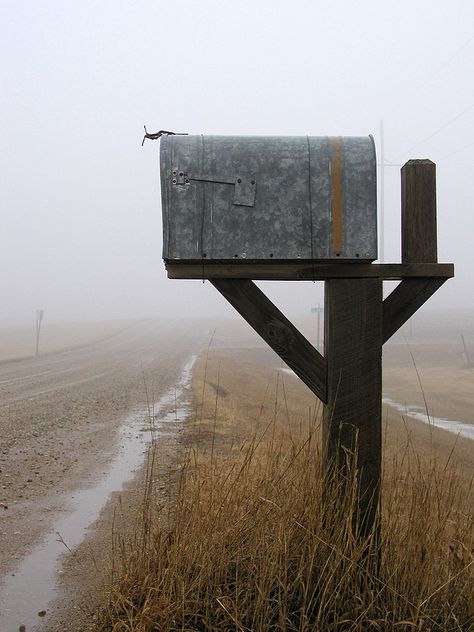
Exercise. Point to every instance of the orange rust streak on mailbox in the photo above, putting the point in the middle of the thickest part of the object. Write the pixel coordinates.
(336, 144)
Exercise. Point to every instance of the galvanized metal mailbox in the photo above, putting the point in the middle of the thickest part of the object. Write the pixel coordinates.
(266, 198)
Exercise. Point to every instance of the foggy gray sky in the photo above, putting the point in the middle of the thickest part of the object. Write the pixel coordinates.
(79, 197)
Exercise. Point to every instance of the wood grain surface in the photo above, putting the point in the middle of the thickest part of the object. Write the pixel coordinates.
(304, 271)
(352, 416)
(419, 239)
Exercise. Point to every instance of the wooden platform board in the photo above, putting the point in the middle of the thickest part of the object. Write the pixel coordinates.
(304, 271)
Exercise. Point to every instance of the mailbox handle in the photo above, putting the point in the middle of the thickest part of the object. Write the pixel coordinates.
(214, 179)
(245, 187)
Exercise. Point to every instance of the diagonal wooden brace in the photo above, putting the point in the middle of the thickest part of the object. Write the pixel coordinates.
(277, 331)
(405, 300)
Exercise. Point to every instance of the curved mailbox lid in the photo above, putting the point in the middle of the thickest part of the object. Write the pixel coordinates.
(268, 198)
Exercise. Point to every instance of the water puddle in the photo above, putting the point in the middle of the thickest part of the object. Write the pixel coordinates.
(33, 586)
(415, 412)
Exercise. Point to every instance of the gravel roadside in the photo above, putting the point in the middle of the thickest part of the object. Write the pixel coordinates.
(59, 421)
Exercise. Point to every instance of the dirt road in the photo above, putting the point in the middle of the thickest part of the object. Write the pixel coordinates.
(60, 415)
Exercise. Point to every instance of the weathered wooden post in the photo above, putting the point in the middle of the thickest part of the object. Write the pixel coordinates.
(238, 209)
(352, 421)
(419, 236)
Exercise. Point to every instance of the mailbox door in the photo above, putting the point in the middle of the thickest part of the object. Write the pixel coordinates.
(268, 198)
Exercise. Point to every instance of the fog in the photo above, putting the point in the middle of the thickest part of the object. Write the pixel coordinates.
(79, 197)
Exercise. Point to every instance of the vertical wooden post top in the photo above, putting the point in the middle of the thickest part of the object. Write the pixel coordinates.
(419, 233)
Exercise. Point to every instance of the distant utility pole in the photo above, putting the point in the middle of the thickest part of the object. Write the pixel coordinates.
(39, 320)
(382, 195)
(318, 310)
(382, 164)
(467, 359)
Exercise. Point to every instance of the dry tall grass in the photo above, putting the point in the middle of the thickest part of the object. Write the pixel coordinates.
(249, 544)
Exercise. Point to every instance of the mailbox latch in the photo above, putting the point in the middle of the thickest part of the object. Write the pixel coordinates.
(244, 194)
(244, 186)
